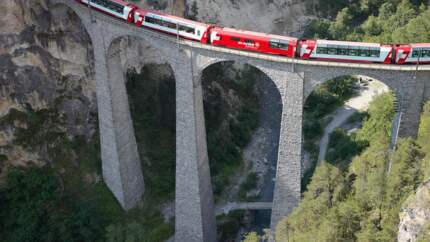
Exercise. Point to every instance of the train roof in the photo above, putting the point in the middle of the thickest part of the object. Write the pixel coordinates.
(420, 45)
(348, 43)
(122, 2)
(251, 34)
(164, 15)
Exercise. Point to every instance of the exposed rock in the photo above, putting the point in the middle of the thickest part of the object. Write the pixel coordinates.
(46, 63)
(415, 214)
(269, 16)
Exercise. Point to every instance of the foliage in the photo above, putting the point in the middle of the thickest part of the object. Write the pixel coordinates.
(323, 100)
(393, 21)
(379, 124)
(229, 123)
(360, 201)
(424, 233)
(34, 208)
(342, 147)
(251, 237)
(228, 225)
(67, 202)
(423, 139)
(152, 107)
(249, 184)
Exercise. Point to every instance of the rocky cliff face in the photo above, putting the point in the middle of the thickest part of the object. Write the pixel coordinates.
(45, 64)
(46, 58)
(268, 16)
(415, 216)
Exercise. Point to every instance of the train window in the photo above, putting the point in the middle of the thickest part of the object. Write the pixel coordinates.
(198, 32)
(248, 41)
(353, 52)
(170, 25)
(187, 29)
(420, 53)
(151, 20)
(116, 7)
(160, 22)
(375, 53)
(278, 44)
(234, 38)
(321, 50)
(364, 52)
(342, 51)
(331, 51)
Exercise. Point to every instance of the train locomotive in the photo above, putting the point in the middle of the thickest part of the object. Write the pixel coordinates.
(326, 50)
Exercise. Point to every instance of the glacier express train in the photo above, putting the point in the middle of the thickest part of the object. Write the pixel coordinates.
(327, 50)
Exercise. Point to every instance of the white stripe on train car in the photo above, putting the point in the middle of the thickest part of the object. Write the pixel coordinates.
(169, 30)
(383, 55)
(173, 31)
(123, 16)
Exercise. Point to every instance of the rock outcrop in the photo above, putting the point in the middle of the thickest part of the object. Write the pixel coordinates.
(287, 17)
(269, 16)
(45, 63)
(415, 216)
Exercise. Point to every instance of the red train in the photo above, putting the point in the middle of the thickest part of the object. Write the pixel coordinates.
(329, 50)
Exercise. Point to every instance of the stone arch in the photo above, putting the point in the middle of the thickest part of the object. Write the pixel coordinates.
(131, 52)
(72, 5)
(390, 85)
(318, 75)
(370, 87)
(268, 129)
(204, 63)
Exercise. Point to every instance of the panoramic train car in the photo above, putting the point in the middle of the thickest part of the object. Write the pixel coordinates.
(171, 24)
(253, 41)
(412, 53)
(116, 8)
(345, 51)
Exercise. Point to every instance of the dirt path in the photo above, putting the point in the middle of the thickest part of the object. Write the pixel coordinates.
(367, 91)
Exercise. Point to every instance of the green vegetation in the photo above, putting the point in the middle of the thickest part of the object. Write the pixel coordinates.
(251, 237)
(424, 234)
(65, 200)
(228, 225)
(342, 148)
(423, 139)
(34, 207)
(231, 115)
(152, 105)
(229, 123)
(249, 184)
(361, 201)
(323, 100)
(153, 110)
(393, 21)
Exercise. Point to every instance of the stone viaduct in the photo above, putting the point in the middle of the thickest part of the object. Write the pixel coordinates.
(295, 80)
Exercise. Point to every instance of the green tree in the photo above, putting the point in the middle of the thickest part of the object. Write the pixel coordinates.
(341, 27)
(423, 138)
(417, 29)
(35, 209)
(251, 237)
